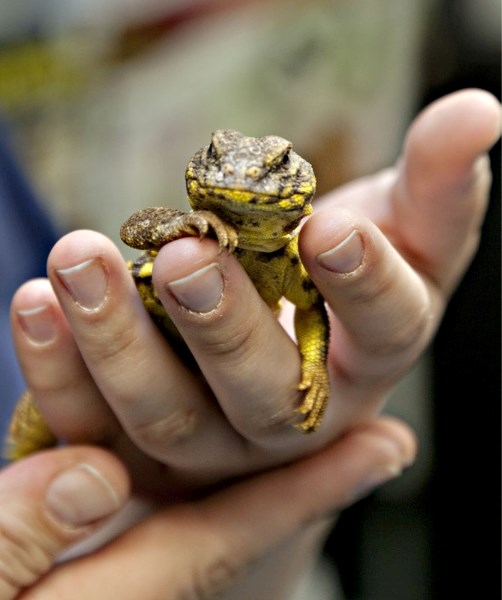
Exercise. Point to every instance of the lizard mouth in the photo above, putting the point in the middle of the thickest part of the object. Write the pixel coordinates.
(245, 201)
(265, 222)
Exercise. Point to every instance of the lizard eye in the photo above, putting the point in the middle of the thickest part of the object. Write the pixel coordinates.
(285, 159)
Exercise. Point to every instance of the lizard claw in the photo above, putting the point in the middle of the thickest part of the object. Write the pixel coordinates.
(316, 388)
(203, 221)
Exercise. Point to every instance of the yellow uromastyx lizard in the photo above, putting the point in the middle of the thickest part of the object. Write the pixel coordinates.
(251, 194)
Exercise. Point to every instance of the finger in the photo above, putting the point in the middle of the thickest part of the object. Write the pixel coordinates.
(250, 363)
(56, 375)
(432, 203)
(384, 313)
(207, 546)
(155, 397)
(50, 501)
(442, 189)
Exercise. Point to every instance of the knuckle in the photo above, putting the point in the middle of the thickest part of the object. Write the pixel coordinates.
(171, 431)
(229, 347)
(229, 343)
(272, 418)
(393, 309)
(108, 343)
(51, 380)
(219, 565)
(24, 557)
(214, 577)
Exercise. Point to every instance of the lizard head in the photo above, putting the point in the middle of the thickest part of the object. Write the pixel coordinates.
(257, 184)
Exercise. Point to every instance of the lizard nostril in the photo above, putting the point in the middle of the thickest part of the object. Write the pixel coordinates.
(253, 172)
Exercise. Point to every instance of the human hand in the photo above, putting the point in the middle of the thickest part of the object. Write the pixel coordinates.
(196, 549)
(385, 252)
(100, 371)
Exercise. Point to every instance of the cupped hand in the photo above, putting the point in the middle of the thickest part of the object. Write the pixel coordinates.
(385, 252)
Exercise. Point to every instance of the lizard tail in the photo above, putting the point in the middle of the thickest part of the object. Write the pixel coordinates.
(28, 432)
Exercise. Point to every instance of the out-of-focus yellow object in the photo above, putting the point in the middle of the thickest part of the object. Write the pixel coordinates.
(37, 74)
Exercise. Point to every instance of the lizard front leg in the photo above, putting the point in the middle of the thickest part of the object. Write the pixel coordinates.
(312, 333)
(151, 228)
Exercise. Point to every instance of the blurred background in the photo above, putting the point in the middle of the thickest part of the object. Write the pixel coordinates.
(103, 102)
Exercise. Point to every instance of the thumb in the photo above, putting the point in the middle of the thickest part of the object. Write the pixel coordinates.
(49, 501)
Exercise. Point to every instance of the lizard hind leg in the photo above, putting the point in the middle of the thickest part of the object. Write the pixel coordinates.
(28, 432)
(312, 331)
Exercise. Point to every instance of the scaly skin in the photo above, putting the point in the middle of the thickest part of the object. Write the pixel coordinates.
(251, 194)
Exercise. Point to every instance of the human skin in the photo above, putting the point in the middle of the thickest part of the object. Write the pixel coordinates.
(386, 252)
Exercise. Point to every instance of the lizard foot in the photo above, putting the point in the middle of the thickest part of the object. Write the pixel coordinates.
(203, 221)
(316, 388)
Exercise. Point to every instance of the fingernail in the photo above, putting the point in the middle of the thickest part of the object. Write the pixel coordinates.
(345, 257)
(81, 495)
(86, 283)
(38, 324)
(201, 291)
(376, 479)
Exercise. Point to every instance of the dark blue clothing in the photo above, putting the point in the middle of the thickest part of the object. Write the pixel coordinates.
(26, 237)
